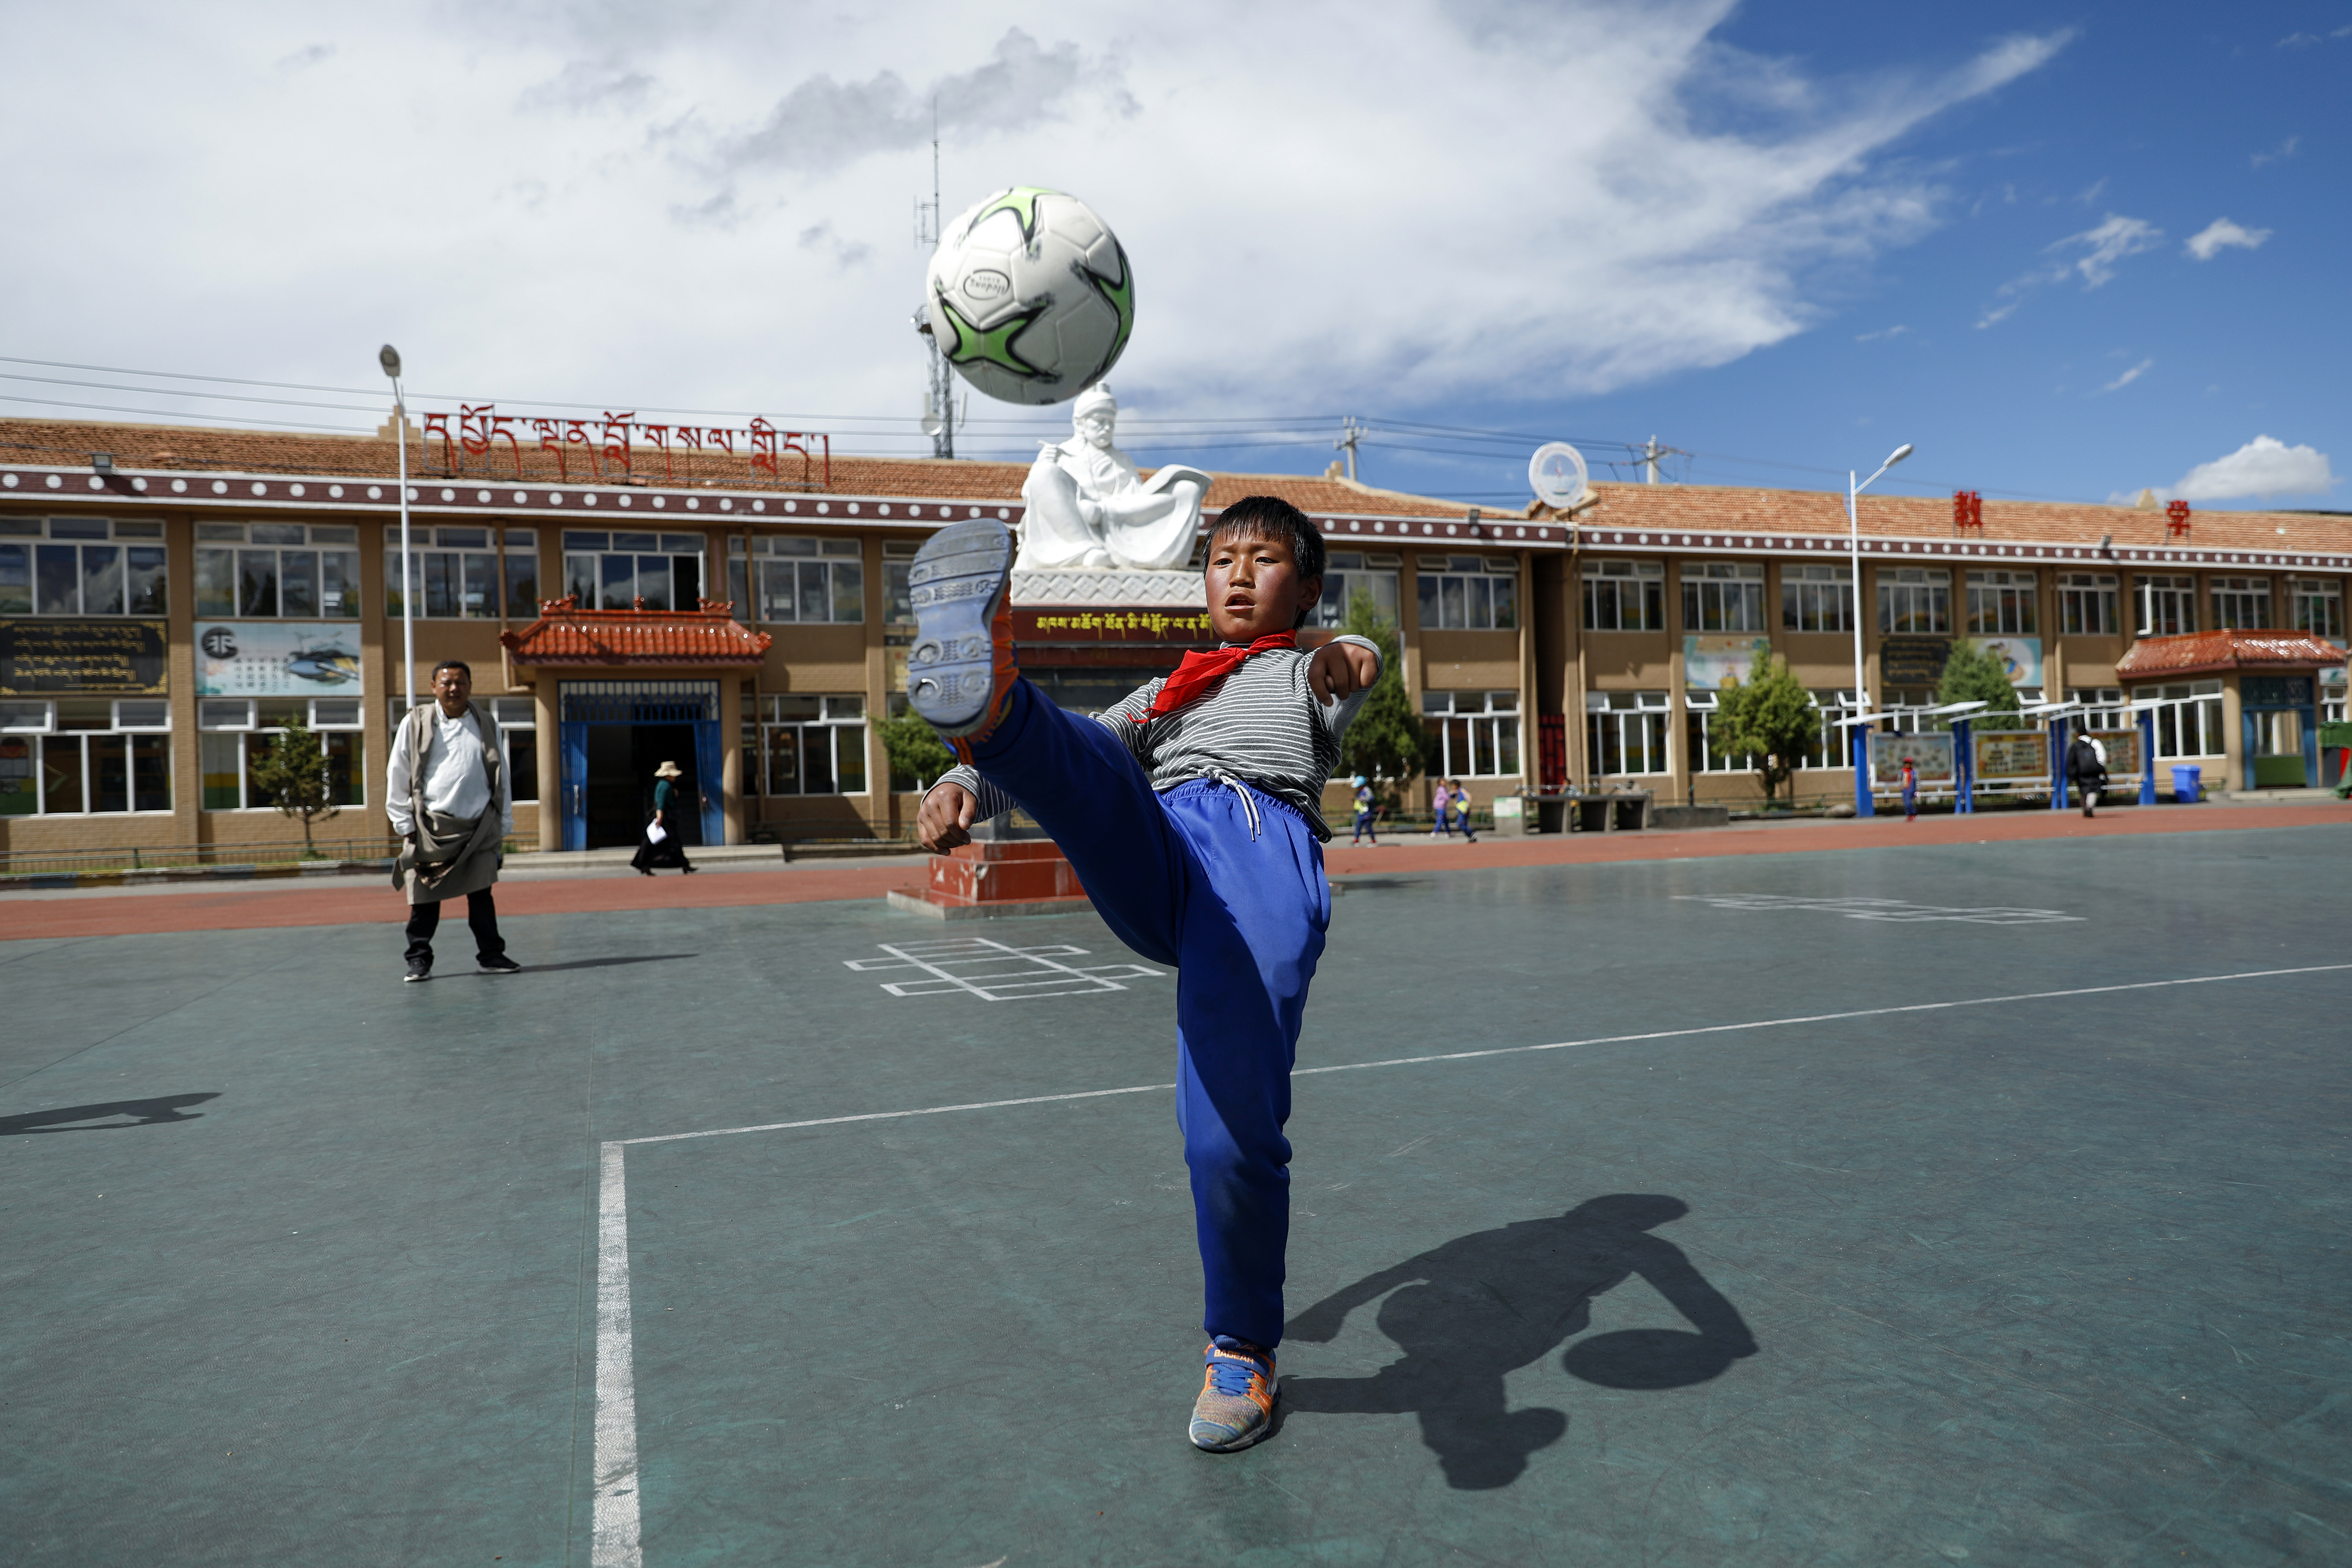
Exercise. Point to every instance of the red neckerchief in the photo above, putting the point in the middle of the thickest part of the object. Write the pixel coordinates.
(1200, 671)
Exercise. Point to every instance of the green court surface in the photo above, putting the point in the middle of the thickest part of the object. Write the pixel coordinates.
(1788, 1262)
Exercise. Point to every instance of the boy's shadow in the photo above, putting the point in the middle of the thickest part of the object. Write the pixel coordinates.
(1486, 1304)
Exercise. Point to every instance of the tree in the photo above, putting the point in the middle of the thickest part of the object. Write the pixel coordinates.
(1388, 743)
(917, 753)
(292, 776)
(1973, 674)
(1771, 719)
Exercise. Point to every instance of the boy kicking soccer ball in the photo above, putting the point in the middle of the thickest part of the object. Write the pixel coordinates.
(1190, 813)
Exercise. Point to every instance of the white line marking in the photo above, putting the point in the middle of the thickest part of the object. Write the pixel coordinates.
(1877, 908)
(614, 1542)
(1035, 973)
(1503, 1050)
(617, 1542)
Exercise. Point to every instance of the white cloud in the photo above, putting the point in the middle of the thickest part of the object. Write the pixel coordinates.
(2130, 375)
(2209, 241)
(2261, 468)
(2285, 149)
(1882, 332)
(2108, 244)
(1323, 202)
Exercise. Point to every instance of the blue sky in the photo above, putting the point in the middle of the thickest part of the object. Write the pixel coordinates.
(1768, 235)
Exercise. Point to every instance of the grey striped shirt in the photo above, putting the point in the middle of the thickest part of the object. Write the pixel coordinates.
(1261, 723)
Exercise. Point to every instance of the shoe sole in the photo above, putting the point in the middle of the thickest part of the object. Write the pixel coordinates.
(486, 969)
(957, 584)
(414, 979)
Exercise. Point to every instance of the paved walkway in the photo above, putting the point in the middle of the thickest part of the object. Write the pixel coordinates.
(51, 914)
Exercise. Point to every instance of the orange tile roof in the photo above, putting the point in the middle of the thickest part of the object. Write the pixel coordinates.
(2207, 652)
(156, 448)
(566, 635)
(1720, 509)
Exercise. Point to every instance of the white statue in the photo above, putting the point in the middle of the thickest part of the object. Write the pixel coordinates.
(1088, 506)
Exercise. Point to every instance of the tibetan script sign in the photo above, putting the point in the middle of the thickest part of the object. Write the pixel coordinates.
(115, 658)
(1112, 626)
(607, 446)
(2123, 752)
(1911, 662)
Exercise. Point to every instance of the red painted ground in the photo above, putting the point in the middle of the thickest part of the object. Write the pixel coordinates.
(367, 900)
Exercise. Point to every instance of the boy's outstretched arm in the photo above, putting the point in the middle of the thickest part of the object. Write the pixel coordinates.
(946, 816)
(1340, 670)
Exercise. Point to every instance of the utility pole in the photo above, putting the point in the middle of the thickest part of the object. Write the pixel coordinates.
(1650, 461)
(939, 401)
(1351, 431)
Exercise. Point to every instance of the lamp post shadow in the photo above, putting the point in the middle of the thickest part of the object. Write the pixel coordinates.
(1481, 1306)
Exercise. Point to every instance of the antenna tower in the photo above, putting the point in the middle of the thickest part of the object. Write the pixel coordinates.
(939, 400)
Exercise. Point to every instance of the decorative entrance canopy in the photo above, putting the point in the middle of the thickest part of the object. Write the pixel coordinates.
(565, 635)
(2221, 653)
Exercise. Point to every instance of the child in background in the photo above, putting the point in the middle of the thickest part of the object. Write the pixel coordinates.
(1910, 791)
(1438, 801)
(1462, 810)
(1367, 809)
(1192, 813)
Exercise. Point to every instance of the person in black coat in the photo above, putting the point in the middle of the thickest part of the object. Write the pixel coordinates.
(664, 850)
(2088, 769)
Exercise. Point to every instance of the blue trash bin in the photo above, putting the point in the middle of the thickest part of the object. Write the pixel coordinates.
(2187, 784)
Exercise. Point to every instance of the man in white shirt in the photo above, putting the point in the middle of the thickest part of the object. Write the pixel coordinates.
(448, 796)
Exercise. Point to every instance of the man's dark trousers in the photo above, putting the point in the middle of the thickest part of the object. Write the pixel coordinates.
(481, 914)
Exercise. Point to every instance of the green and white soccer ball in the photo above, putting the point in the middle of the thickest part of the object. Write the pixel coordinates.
(1031, 298)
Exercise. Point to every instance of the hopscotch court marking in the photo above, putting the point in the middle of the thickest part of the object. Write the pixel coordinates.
(996, 971)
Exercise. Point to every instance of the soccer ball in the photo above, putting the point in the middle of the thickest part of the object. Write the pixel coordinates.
(1030, 296)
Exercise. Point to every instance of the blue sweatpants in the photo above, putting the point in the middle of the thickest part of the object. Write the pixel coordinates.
(1240, 909)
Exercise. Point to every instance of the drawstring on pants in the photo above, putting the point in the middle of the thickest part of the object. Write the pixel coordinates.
(1249, 802)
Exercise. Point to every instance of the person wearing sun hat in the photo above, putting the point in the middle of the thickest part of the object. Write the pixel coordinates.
(660, 845)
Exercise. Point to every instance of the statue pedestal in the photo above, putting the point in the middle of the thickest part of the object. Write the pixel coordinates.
(1109, 587)
(998, 878)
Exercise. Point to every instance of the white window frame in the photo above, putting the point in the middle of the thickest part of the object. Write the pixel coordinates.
(839, 721)
(898, 593)
(229, 545)
(1626, 715)
(239, 716)
(33, 722)
(1468, 592)
(2234, 597)
(835, 566)
(1723, 596)
(484, 554)
(677, 547)
(1345, 571)
(2087, 604)
(1821, 594)
(2172, 595)
(2317, 605)
(1491, 733)
(1912, 594)
(1605, 584)
(23, 540)
(2003, 603)
(2185, 702)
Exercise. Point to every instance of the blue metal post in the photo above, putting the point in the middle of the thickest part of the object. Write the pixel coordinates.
(1862, 804)
(1964, 769)
(2058, 763)
(2147, 757)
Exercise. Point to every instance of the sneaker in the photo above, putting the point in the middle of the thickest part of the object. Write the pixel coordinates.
(418, 970)
(1236, 1404)
(961, 669)
(501, 964)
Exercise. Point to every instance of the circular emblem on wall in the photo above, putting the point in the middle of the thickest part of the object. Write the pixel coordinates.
(220, 643)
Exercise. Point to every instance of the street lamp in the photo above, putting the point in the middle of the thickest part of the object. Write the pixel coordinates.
(389, 357)
(1853, 533)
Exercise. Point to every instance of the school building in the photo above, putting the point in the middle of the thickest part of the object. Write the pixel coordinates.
(734, 601)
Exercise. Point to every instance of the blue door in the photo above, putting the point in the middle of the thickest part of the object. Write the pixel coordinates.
(573, 739)
(709, 773)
